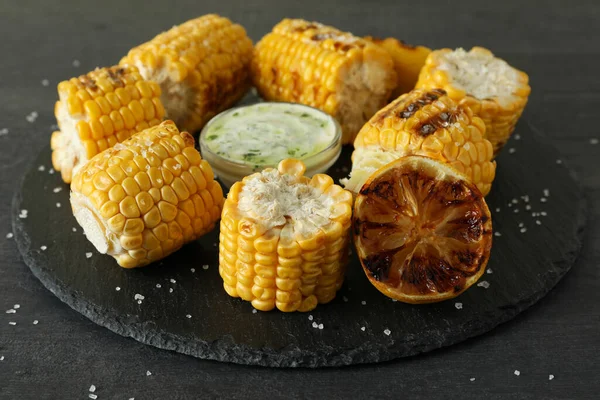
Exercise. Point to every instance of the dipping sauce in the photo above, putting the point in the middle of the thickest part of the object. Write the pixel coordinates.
(248, 139)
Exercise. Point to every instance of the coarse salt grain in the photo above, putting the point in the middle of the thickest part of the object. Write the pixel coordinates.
(559, 161)
(3, 131)
(550, 377)
(9, 235)
(345, 299)
(138, 297)
(45, 82)
(523, 230)
(88, 254)
(11, 311)
(517, 136)
(188, 316)
(92, 396)
(472, 379)
(521, 224)
(497, 234)
(193, 270)
(458, 306)
(310, 317)
(538, 222)
(321, 326)
(117, 288)
(362, 328)
(51, 171)
(76, 63)
(35, 321)
(363, 303)
(315, 325)
(517, 372)
(543, 213)
(56, 189)
(17, 306)
(516, 210)
(489, 271)
(543, 200)
(148, 373)
(172, 280)
(593, 141)
(41, 168)
(511, 150)
(497, 209)
(484, 284)
(158, 285)
(92, 388)
(254, 311)
(43, 248)
(205, 267)
(74, 229)
(12, 323)
(387, 332)
(546, 192)
(170, 290)
(1, 358)
(515, 201)
(527, 207)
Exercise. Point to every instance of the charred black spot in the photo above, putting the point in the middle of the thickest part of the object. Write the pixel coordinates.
(426, 98)
(458, 288)
(88, 82)
(379, 265)
(466, 257)
(115, 75)
(322, 36)
(442, 120)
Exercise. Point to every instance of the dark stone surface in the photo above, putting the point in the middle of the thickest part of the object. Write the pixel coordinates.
(523, 267)
(556, 42)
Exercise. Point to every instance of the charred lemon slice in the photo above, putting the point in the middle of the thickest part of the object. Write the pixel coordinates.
(422, 231)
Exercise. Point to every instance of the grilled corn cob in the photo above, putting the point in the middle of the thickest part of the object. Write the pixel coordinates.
(143, 199)
(408, 61)
(97, 110)
(310, 63)
(425, 123)
(494, 90)
(201, 66)
(284, 238)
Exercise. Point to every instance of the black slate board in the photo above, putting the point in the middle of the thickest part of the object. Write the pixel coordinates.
(199, 319)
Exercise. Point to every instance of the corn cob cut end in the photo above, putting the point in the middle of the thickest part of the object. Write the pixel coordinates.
(408, 61)
(429, 124)
(494, 90)
(323, 67)
(143, 199)
(284, 238)
(201, 66)
(97, 110)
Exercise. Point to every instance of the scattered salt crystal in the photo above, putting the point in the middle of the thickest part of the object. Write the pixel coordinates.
(525, 198)
(74, 229)
(517, 136)
(315, 325)
(510, 205)
(362, 328)
(31, 117)
(543, 199)
(2, 359)
(41, 168)
(527, 207)
(254, 311)
(158, 285)
(559, 161)
(12, 323)
(45, 82)
(497, 234)
(514, 201)
(23, 214)
(387, 332)
(546, 193)
(43, 248)
(170, 290)
(543, 213)
(345, 299)
(394, 300)
(517, 372)
(172, 280)
(521, 224)
(550, 377)
(516, 210)
(489, 271)
(148, 373)
(11, 311)
(321, 326)
(57, 189)
(193, 270)
(188, 316)
(497, 209)
(472, 379)
(511, 150)
(458, 306)
(3, 131)
(139, 302)
(17, 306)
(117, 288)
(76, 63)
(92, 388)
(35, 321)
(363, 303)
(205, 267)
(310, 317)
(484, 284)
(51, 171)
(138, 297)
(538, 222)
(593, 141)
(92, 396)
(9, 235)
(88, 254)
(523, 230)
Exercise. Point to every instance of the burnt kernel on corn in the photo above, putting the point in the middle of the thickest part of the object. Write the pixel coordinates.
(129, 210)
(408, 61)
(201, 65)
(317, 65)
(97, 110)
(284, 238)
(425, 123)
(495, 91)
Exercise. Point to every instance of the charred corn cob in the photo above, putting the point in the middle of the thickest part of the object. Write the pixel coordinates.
(408, 61)
(494, 90)
(424, 123)
(201, 66)
(310, 63)
(284, 238)
(143, 199)
(97, 110)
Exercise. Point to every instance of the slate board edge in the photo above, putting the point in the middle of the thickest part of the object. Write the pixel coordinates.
(225, 350)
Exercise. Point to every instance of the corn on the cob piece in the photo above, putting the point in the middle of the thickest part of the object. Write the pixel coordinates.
(143, 199)
(310, 63)
(284, 238)
(408, 61)
(97, 110)
(494, 90)
(424, 123)
(202, 67)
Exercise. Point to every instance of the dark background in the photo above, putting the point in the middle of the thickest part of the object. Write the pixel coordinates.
(556, 42)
